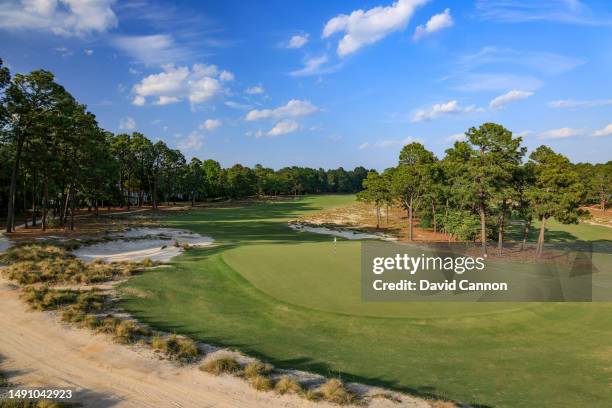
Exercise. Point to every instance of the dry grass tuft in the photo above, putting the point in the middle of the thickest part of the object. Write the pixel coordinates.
(287, 385)
(336, 392)
(261, 382)
(311, 395)
(176, 348)
(221, 365)
(257, 368)
(29, 264)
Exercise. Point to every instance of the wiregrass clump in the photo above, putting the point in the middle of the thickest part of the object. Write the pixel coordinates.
(176, 348)
(221, 365)
(36, 263)
(287, 385)
(256, 368)
(334, 391)
(261, 382)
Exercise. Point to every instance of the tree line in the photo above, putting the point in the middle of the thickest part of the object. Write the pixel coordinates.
(484, 182)
(55, 158)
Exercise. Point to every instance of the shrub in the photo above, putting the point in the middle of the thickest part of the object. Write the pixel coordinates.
(90, 322)
(257, 368)
(221, 365)
(287, 385)
(336, 392)
(261, 382)
(443, 404)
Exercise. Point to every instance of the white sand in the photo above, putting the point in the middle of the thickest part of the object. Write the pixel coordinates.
(40, 352)
(161, 245)
(351, 235)
(5, 243)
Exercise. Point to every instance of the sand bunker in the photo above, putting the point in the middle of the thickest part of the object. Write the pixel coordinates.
(348, 234)
(137, 244)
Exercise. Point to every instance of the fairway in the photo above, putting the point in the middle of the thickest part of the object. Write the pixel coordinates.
(294, 299)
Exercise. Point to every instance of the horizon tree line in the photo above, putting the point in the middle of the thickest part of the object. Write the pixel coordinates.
(56, 159)
(483, 183)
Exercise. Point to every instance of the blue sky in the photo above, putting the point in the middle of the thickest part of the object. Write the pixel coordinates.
(326, 83)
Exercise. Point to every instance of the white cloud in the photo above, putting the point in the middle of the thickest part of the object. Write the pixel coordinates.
(293, 108)
(362, 28)
(441, 109)
(509, 97)
(315, 66)
(155, 49)
(561, 133)
(548, 63)
(298, 41)
(606, 131)
(191, 142)
(570, 103)
(457, 137)
(387, 143)
(164, 100)
(226, 76)
(198, 84)
(436, 23)
(127, 123)
(495, 82)
(283, 127)
(61, 17)
(255, 90)
(89, 52)
(210, 124)
(237, 105)
(562, 11)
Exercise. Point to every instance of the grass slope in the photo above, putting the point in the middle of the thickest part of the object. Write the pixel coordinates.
(545, 355)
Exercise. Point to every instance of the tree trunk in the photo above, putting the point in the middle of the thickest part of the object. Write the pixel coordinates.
(387, 214)
(10, 216)
(483, 229)
(500, 234)
(377, 216)
(155, 193)
(540, 246)
(525, 233)
(64, 214)
(44, 205)
(410, 220)
(433, 212)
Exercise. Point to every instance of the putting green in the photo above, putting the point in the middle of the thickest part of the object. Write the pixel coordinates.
(325, 276)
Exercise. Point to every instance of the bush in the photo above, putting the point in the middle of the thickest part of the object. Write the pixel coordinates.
(221, 365)
(261, 382)
(311, 395)
(287, 385)
(335, 391)
(108, 325)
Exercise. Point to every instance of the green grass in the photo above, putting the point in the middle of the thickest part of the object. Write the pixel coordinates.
(243, 293)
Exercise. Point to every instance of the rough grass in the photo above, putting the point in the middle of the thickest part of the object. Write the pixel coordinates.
(334, 391)
(221, 365)
(35, 263)
(176, 348)
(287, 385)
(261, 382)
(257, 368)
(44, 298)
